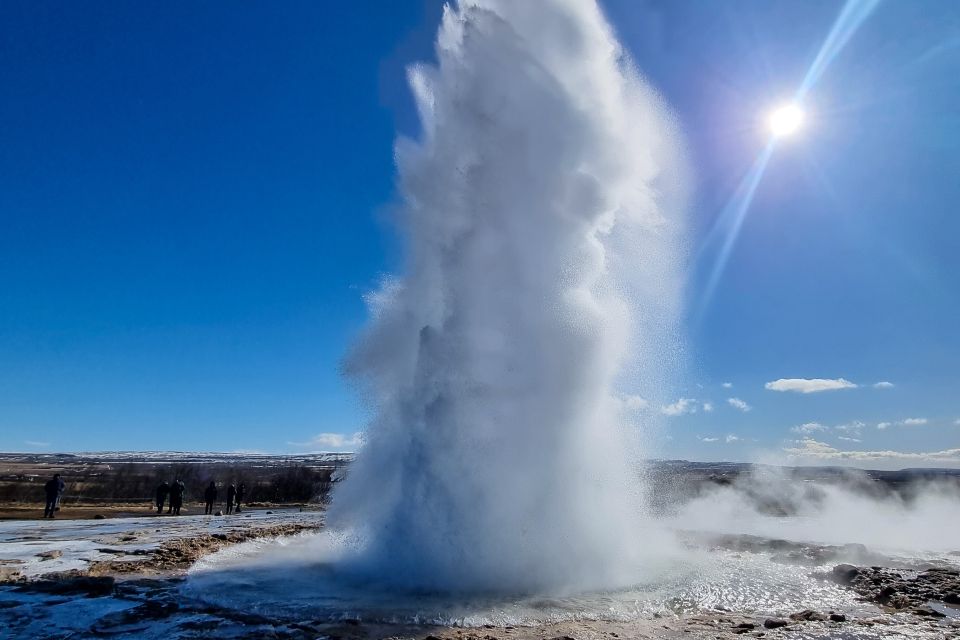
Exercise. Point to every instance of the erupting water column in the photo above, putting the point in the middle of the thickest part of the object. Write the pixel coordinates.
(542, 263)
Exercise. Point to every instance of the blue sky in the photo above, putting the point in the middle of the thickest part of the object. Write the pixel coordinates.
(194, 198)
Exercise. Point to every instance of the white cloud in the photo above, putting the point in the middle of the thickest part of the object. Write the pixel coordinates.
(914, 422)
(327, 441)
(34, 443)
(708, 407)
(812, 449)
(708, 439)
(882, 425)
(727, 385)
(737, 403)
(845, 438)
(635, 403)
(680, 407)
(883, 385)
(809, 427)
(809, 385)
(853, 428)
(731, 438)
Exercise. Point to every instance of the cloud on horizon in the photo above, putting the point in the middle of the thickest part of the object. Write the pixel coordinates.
(809, 385)
(811, 449)
(331, 441)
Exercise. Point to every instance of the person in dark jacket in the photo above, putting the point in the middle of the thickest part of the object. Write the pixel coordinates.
(210, 496)
(61, 487)
(51, 491)
(177, 490)
(162, 492)
(241, 490)
(231, 496)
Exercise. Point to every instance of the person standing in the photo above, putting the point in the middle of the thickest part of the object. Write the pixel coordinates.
(176, 496)
(231, 496)
(210, 496)
(50, 491)
(241, 489)
(61, 486)
(162, 492)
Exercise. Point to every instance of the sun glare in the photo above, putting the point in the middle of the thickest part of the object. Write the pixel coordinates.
(785, 120)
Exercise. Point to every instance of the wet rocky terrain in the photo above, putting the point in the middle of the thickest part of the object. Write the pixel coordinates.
(144, 597)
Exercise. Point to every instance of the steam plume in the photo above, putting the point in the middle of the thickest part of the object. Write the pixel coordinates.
(540, 218)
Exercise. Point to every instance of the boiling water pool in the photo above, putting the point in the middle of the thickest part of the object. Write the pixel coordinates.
(296, 579)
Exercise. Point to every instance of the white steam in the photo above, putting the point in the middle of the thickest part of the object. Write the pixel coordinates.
(853, 508)
(542, 222)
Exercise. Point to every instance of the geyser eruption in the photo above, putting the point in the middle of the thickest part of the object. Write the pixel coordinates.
(541, 220)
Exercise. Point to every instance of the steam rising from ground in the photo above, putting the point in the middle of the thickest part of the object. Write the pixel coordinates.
(853, 508)
(541, 216)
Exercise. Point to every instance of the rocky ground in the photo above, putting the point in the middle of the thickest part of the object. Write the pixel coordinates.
(130, 586)
(932, 592)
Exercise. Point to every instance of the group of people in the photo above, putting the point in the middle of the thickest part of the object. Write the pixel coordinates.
(53, 491)
(175, 491)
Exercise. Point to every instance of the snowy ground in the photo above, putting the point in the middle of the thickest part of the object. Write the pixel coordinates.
(28, 546)
(279, 588)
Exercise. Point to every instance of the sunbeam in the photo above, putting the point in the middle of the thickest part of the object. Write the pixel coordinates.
(783, 121)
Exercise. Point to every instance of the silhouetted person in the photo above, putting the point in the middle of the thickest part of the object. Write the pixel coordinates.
(162, 492)
(177, 490)
(51, 491)
(241, 490)
(210, 496)
(231, 496)
(61, 486)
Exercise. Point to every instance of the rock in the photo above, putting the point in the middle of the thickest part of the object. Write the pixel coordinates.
(91, 587)
(774, 623)
(744, 625)
(219, 536)
(99, 516)
(845, 573)
(218, 513)
(952, 598)
(50, 555)
(808, 615)
(9, 573)
(886, 593)
(838, 617)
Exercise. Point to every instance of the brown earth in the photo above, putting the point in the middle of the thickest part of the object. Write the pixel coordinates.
(99, 510)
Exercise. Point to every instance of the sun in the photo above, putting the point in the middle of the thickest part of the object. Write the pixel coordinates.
(785, 120)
